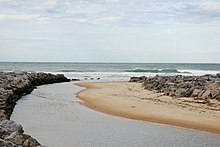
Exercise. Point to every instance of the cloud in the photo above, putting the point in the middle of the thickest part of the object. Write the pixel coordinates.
(112, 12)
(22, 17)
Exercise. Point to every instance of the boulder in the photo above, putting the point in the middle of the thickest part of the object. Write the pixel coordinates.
(15, 138)
(180, 92)
(201, 93)
(214, 92)
(206, 94)
(196, 92)
(4, 143)
(31, 142)
(134, 79)
(189, 92)
(207, 86)
(11, 126)
(214, 88)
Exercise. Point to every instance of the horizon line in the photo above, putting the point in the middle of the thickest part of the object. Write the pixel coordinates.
(108, 62)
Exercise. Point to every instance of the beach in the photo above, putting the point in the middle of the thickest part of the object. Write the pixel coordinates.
(155, 119)
(131, 100)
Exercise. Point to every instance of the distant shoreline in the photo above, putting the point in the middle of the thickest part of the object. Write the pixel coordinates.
(129, 100)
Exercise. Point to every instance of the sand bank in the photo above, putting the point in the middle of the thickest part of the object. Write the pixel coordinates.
(130, 100)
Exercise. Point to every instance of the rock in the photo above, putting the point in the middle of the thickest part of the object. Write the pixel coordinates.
(195, 92)
(143, 78)
(214, 88)
(12, 87)
(207, 86)
(15, 85)
(4, 143)
(15, 138)
(25, 136)
(31, 142)
(11, 126)
(75, 79)
(155, 84)
(170, 84)
(180, 92)
(134, 79)
(215, 92)
(189, 92)
(3, 132)
(206, 94)
(186, 84)
(218, 97)
(201, 93)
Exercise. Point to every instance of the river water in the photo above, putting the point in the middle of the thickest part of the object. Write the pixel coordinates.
(53, 115)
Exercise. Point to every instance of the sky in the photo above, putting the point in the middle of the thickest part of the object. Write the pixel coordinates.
(110, 31)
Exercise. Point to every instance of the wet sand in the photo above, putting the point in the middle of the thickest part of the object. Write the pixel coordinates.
(130, 100)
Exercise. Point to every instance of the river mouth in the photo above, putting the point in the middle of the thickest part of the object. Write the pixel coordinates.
(54, 116)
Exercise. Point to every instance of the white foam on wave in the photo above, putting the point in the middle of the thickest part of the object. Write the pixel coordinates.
(200, 72)
(125, 76)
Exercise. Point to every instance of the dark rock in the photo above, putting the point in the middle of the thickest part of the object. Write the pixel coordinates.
(138, 79)
(134, 79)
(12, 87)
(15, 85)
(143, 78)
(189, 92)
(75, 79)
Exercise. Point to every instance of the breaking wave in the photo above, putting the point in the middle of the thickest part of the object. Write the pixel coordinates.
(166, 70)
(72, 70)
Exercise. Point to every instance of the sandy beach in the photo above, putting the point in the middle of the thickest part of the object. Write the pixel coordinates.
(130, 100)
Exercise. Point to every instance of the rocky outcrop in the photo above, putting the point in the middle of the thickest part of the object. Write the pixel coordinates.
(12, 135)
(200, 87)
(12, 87)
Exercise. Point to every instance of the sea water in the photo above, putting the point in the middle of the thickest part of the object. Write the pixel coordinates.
(112, 71)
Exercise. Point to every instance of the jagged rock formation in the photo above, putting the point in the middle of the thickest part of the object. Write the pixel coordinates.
(200, 87)
(12, 87)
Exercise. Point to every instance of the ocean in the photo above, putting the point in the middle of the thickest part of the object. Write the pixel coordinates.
(110, 71)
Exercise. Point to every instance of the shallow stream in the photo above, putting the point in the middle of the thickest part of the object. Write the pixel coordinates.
(53, 115)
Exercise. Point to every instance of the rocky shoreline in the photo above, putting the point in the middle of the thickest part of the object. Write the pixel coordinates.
(202, 88)
(12, 87)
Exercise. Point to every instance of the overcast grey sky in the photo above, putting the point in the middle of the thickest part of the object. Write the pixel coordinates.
(110, 30)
